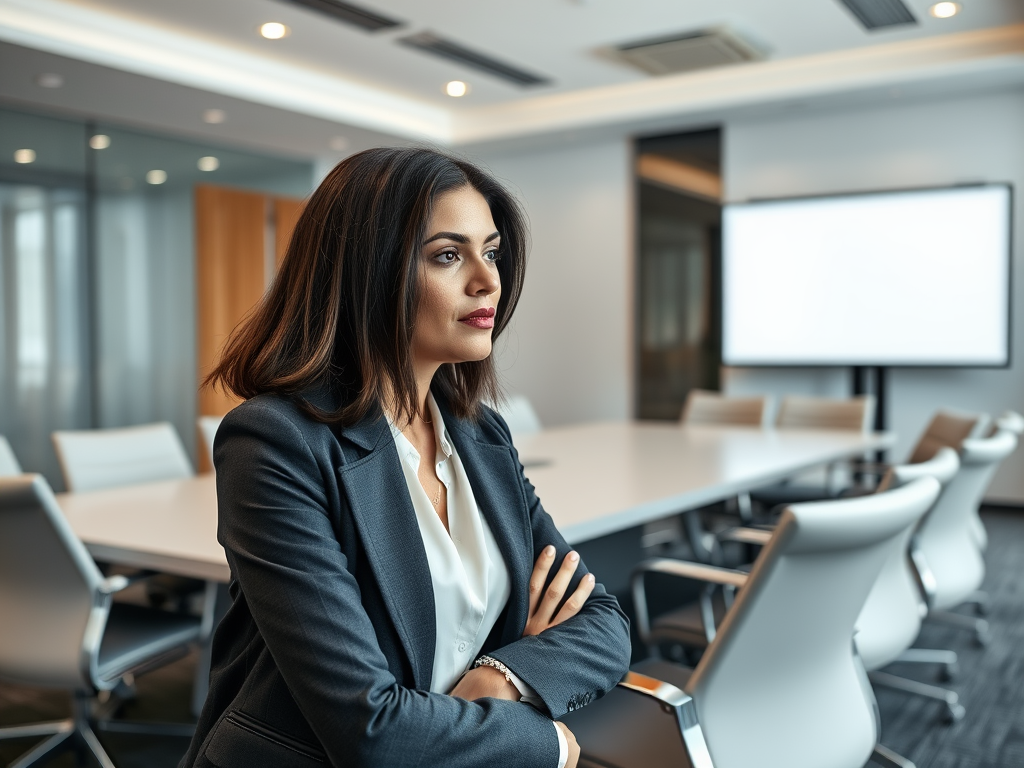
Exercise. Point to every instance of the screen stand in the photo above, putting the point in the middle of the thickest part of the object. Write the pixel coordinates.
(873, 380)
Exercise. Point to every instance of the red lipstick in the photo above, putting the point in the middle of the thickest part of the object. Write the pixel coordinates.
(482, 318)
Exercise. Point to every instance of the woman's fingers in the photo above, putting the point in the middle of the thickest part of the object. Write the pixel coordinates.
(556, 589)
(540, 575)
(579, 597)
(570, 742)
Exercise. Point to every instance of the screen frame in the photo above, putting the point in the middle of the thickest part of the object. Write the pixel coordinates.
(867, 363)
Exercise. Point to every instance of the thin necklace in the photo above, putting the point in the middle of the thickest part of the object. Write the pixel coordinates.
(436, 501)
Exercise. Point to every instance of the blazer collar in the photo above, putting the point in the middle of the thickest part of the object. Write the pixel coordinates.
(378, 497)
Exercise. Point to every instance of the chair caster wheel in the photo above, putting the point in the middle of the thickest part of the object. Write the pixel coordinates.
(954, 714)
(949, 672)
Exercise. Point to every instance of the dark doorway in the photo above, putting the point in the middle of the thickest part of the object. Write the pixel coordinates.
(678, 271)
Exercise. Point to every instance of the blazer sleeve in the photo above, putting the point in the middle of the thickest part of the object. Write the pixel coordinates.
(285, 555)
(581, 659)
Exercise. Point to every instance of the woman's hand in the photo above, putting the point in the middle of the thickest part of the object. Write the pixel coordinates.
(574, 748)
(484, 682)
(543, 602)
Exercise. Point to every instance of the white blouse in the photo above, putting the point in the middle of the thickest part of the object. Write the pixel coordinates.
(469, 575)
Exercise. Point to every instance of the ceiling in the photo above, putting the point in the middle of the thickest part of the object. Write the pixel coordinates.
(327, 79)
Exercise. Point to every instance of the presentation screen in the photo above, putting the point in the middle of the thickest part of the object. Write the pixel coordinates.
(914, 278)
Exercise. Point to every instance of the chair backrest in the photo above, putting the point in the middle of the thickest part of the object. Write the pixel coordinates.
(518, 413)
(705, 407)
(48, 584)
(106, 458)
(9, 466)
(1010, 421)
(891, 617)
(947, 429)
(855, 413)
(781, 684)
(208, 426)
(945, 540)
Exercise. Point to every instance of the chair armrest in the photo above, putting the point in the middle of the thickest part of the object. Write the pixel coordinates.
(870, 467)
(119, 582)
(679, 703)
(756, 536)
(709, 574)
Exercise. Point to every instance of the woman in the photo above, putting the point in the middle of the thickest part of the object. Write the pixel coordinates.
(395, 600)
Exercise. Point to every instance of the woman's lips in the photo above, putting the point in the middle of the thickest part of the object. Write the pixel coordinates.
(480, 318)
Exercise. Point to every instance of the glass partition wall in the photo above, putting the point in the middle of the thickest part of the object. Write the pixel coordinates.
(97, 275)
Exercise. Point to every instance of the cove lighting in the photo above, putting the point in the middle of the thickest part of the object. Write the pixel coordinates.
(944, 10)
(208, 163)
(214, 116)
(273, 30)
(456, 88)
(156, 177)
(24, 156)
(99, 141)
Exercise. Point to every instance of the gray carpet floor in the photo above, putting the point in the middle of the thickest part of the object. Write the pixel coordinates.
(990, 684)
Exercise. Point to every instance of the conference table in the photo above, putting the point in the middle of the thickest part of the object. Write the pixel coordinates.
(593, 479)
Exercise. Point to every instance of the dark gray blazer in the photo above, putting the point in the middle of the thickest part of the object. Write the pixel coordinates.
(325, 654)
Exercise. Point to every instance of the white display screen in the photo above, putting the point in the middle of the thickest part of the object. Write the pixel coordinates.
(896, 278)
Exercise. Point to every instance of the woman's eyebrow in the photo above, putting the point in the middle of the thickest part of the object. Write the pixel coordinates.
(458, 237)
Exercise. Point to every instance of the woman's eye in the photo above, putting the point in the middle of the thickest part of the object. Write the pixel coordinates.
(494, 255)
(446, 257)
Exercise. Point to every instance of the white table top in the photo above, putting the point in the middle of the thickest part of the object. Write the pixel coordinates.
(593, 479)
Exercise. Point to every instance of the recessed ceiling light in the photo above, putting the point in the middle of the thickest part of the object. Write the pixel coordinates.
(99, 141)
(944, 10)
(214, 116)
(273, 30)
(208, 163)
(456, 88)
(156, 177)
(24, 155)
(50, 80)
(338, 143)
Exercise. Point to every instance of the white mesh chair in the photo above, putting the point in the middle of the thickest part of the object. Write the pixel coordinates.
(714, 408)
(945, 549)
(1012, 422)
(106, 458)
(519, 414)
(9, 466)
(781, 683)
(61, 629)
(208, 426)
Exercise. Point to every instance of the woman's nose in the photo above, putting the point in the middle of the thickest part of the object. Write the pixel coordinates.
(485, 279)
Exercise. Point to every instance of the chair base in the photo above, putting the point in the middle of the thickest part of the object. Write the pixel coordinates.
(980, 627)
(78, 733)
(888, 759)
(954, 709)
(948, 660)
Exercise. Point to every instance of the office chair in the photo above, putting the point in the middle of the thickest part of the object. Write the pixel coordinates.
(61, 628)
(1013, 422)
(9, 466)
(91, 459)
(780, 683)
(208, 426)
(855, 414)
(945, 550)
(716, 409)
(519, 414)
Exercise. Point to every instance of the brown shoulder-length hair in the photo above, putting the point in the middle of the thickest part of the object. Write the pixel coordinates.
(340, 312)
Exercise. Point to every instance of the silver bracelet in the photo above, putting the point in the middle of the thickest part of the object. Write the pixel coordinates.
(487, 661)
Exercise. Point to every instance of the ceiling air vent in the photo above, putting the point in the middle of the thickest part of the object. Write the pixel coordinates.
(365, 19)
(878, 14)
(687, 52)
(446, 49)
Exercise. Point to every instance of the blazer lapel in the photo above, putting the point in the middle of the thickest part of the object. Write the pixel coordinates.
(379, 499)
(494, 475)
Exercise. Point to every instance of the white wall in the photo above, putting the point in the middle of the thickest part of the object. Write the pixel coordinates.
(569, 348)
(897, 145)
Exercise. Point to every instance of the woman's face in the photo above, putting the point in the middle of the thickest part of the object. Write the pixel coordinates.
(459, 284)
